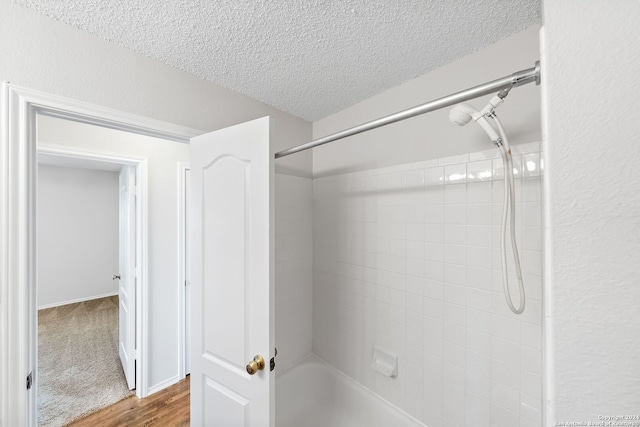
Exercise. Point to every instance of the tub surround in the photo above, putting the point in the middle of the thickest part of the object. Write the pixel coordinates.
(407, 258)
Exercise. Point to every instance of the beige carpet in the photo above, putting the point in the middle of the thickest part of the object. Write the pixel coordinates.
(78, 363)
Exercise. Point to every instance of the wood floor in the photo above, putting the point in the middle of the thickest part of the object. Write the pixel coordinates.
(169, 407)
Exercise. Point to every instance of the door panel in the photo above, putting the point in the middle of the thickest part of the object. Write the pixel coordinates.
(127, 283)
(232, 275)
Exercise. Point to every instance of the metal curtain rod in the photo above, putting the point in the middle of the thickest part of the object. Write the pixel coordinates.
(518, 78)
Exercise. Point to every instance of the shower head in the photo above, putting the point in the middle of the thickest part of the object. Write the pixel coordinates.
(462, 114)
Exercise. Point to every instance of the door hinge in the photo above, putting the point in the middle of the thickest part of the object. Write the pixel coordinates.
(29, 380)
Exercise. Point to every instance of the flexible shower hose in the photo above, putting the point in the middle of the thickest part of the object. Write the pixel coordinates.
(509, 213)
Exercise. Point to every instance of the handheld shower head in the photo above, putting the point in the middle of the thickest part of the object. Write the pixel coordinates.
(462, 114)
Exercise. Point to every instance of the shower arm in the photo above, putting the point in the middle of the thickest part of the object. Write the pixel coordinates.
(516, 79)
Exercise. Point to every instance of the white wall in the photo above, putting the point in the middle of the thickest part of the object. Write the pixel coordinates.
(591, 70)
(43, 54)
(294, 265)
(77, 234)
(407, 258)
(432, 135)
(163, 242)
(40, 53)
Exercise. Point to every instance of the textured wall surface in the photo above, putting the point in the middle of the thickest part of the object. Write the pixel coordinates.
(307, 58)
(592, 145)
(432, 135)
(408, 258)
(77, 234)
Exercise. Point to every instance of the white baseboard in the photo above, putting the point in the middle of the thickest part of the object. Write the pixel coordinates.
(58, 304)
(164, 384)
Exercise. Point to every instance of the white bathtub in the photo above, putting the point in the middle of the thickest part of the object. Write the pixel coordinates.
(314, 394)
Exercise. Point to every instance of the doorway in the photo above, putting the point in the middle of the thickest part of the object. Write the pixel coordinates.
(18, 171)
(85, 311)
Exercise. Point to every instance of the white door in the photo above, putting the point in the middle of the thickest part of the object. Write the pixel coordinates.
(127, 287)
(232, 276)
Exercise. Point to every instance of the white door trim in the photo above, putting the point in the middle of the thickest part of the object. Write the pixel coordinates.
(182, 249)
(18, 163)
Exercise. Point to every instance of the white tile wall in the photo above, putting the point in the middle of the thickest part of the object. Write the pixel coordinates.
(408, 258)
(294, 259)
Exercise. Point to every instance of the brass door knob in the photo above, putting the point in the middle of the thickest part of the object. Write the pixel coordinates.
(257, 364)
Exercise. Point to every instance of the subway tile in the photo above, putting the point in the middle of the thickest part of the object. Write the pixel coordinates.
(478, 363)
(531, 359)
(479, 299)
(502, 417)
(434, 195)
(505, 396)
(505, 351)
(455, 194)
(434, 176)
(455, 234)
(480, 214)
(453, 313)
(531, 384)
(416, 213)
(434, 308)
(453, 393)
(434, 251)
(505, 373)
(478, 342)
(453, 334)
(415, 179)
(415, 287)
(434, 214)
(434, 270)
(434, 289)
(530, 407)
(455, 274)
(506, 328)
(477, 384)
(455, 174)
(479, 278)
(472, 419)
(479, 171)
(479, 257)
(455, 254)
(478, 320)
(452, 415)
(531, 335)
(453, 367)
(434, 233)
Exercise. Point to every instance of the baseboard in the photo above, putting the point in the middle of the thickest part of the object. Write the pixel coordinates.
(58, 304)
(164, 384)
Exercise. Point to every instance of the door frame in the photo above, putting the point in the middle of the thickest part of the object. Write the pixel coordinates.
(140, 257)
(18, 167)
(185, 311)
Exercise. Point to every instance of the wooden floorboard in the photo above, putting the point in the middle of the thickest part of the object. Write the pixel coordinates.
(169, 407)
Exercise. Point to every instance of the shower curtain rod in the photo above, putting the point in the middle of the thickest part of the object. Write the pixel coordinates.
(516, 79)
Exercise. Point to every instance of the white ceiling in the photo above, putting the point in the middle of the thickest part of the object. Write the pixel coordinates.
(310, 58)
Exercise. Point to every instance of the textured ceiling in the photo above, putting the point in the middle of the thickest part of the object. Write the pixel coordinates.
(310, 58)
